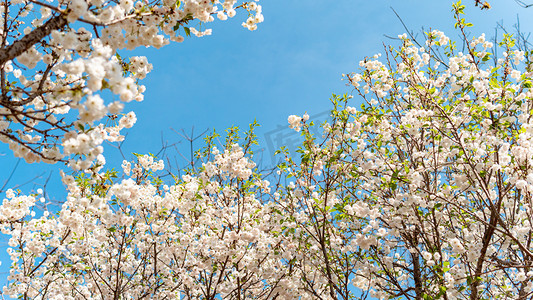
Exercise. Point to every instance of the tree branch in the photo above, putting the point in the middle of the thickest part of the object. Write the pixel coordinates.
(34, 37)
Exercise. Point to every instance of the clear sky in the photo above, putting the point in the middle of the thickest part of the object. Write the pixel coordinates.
(290, 65)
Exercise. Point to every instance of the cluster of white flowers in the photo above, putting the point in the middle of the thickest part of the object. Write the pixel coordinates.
(57, 91)
(436, 36)
(232, 163)
(163, 240)
(255, 16)
(295, 122)
(139, 66)
(15, 207)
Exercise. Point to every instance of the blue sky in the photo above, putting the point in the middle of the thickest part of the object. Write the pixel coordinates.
(290, 65)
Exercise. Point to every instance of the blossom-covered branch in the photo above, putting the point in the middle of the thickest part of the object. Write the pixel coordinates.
(54, 68)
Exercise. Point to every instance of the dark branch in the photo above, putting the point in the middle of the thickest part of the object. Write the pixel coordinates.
(34, 37)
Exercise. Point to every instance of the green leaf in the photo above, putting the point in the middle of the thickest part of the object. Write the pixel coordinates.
(187, 31)
(176, 27)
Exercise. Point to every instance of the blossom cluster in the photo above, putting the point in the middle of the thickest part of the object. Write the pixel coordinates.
(55, 76)
(204, 235)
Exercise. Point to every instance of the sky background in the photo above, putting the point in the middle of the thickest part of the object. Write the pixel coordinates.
(291, 64)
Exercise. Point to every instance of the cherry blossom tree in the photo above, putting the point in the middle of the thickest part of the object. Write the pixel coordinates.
(211, 234)
(55, 68)
(424, 192)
